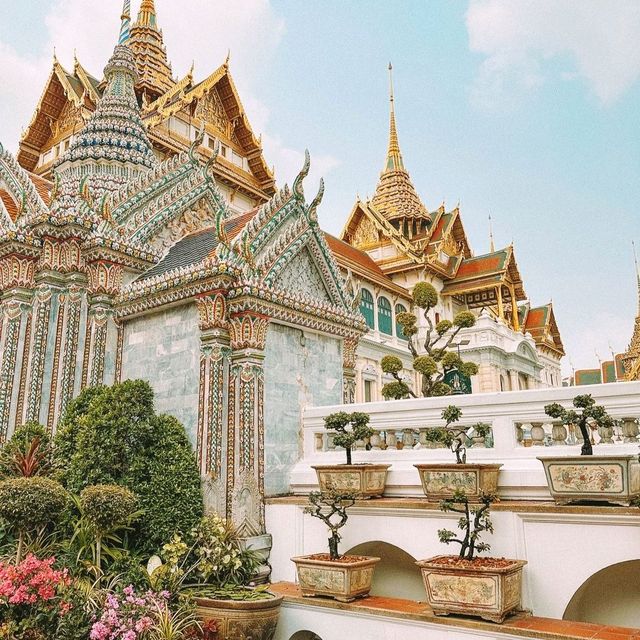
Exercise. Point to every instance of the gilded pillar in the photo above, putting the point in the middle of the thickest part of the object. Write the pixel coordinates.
(245, 423)
(349, 348)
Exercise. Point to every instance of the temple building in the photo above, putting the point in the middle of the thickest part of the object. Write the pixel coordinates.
(142, 236)
(394, 241)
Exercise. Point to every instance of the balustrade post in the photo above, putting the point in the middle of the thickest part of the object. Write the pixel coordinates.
(559, 434)
(537, 434)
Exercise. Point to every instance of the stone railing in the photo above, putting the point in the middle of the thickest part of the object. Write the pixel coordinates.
(518, 432)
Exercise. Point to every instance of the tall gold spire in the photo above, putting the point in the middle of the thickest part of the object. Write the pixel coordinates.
(147, 14)
(635, 260)
(631, 359)
(395, 195)
(394, 157)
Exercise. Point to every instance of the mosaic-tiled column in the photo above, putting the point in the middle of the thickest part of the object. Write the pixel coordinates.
(245, 424)
(349, 347)
(15, 320)
(212, 406)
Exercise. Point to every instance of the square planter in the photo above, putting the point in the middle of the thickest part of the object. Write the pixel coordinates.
(367, 480)
(344, 580)
(440, 481)
(476, 589)
(611, 478)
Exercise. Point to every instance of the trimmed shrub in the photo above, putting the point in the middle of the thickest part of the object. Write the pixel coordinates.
(107, 506)
(112, 436)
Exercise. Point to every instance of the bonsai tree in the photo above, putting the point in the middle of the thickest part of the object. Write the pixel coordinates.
(474, 521)
(28, 504)
(28, 453)
(331, 508)
(592, 415)
(436, 359)
(107, 508)
(349, 428)
(456, 438)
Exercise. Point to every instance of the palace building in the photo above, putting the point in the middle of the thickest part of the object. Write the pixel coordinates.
(394, 241)
(142, 236)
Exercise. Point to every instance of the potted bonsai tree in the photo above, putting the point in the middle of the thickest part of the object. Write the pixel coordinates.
(442, 480)
(603, 478)
(211, 564)
(342, 577)
(486, 587)
(365, 479)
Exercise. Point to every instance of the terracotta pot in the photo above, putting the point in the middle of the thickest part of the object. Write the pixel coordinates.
(242, 619)
(611, 478)
(485, 591)
(440, 481)
(368, 480)
(342, 580)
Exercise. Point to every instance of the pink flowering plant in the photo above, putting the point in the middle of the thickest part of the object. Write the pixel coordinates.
(32, 598)
(128, 616)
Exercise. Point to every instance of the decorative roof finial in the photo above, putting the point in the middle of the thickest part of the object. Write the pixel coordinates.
(126, 22)
(228, 58)
(492, 246)
(147, 15)
(394, 157)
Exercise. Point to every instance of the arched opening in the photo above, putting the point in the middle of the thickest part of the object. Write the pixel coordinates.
(366, 308)
(305, 635)
(400, 308)
(609, 597)
(396, 575)
(385, 323)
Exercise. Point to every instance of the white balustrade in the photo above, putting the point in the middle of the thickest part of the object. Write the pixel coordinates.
(519, 431)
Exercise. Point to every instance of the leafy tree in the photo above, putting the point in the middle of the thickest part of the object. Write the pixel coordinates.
(473, 522)
(111, 435)
(437, 359)
(326, 506)
(349, 428)
(28, 504)
(591, 414)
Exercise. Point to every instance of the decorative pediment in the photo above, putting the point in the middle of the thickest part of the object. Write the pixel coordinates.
(212, 111)
(195, 218)
(302, 276)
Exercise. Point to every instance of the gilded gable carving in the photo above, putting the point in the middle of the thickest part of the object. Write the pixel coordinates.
(366, 233)
(211, 110)
(70, 119)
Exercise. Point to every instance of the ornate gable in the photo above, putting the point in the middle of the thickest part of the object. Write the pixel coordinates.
(302, 276)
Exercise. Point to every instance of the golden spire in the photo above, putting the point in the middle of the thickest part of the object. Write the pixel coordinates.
(394, 157)
(147, 14)
(492, 246)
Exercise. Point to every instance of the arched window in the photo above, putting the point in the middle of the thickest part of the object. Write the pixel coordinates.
(385, 324)
(366, 308)
(400, 309)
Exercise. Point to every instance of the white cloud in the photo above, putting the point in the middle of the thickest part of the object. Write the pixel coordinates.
(518, 39)
(198, 31)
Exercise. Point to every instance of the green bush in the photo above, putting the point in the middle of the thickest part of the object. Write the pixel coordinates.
(425, 295)
(391, 364)
(111, 435)
(30, 503)
(27, 453)
(107, 506)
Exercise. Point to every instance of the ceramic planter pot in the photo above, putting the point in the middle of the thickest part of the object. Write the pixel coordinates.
(441, 481)
(485, 591)
(611, 478)
(345, 579)
(368, 480)
(255, 619)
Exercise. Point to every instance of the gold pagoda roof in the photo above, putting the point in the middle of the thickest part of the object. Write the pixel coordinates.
(395, 195)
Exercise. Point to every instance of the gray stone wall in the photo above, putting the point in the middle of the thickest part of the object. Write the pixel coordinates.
(164, 348)
(301, 369)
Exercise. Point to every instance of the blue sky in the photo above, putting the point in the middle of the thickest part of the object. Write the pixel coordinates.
(523, 110)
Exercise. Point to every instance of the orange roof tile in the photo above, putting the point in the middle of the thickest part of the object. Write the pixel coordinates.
(10, 204)
(43, 187)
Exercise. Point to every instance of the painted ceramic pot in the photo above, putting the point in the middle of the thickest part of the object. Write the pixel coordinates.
(440, 480)
(367, 480)
(490, 588)
(345, 579)
(611, 478)
(254, 619)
